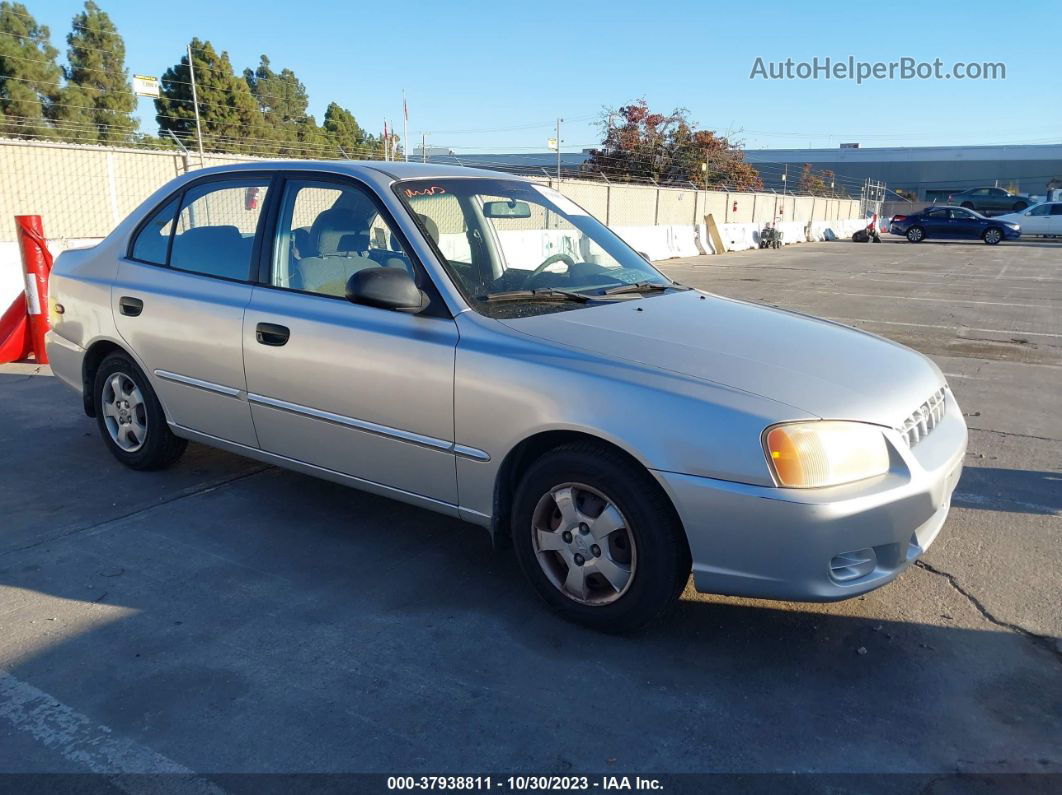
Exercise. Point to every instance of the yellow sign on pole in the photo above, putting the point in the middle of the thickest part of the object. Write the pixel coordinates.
(145, 86)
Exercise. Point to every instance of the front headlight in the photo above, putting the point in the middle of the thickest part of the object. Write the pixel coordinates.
(806, 455)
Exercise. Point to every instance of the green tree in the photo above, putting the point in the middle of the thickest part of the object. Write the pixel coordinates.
(314, 139)
(282, 100)
(29, 75)
(98, 79)
(667, 148)
(72, 115)
(347, 135)
(229, 115)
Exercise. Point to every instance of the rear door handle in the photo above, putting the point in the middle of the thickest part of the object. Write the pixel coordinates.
(130, 306)
(271, 334)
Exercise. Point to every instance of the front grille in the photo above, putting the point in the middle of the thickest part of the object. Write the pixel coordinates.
(923, 419)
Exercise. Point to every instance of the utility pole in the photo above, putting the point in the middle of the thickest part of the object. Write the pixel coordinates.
(423, 148)
(195, 104)
(558, 149)
(785, 178)
(405, 127)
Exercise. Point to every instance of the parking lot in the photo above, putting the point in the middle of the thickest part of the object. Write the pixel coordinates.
(225, 616)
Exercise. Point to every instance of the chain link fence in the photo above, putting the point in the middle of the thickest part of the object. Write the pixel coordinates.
(85, 191)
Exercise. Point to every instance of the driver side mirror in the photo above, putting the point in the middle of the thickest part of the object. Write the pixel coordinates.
(386, 288)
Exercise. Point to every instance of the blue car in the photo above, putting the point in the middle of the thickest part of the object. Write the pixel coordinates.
(953, 222)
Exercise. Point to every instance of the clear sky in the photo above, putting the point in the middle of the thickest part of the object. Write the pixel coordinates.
(493, 76)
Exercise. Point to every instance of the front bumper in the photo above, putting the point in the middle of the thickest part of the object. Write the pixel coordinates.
(790, 544)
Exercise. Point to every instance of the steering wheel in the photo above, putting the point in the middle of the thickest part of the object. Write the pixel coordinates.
(550, 260)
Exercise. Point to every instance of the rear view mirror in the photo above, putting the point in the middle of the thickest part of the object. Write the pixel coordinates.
(509, 209)
(386, 288)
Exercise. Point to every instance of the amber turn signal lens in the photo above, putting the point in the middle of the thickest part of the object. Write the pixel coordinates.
(826, 453)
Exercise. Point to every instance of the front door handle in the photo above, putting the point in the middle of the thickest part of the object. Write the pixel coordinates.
(130, 306)
(271, 334)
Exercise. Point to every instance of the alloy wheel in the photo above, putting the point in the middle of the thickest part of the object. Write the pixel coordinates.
(583, 544)
(124, 412)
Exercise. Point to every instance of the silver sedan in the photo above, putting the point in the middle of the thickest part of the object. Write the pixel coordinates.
(479, 345)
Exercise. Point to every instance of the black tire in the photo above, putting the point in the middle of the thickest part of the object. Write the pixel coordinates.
(967, 205)
(916, 234)
(992, 235)
(662, 562)
(160, 448)
(1019, 206)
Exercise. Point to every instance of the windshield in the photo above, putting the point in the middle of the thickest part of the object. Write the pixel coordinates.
(516, 247)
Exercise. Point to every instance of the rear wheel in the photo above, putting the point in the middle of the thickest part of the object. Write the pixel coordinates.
(130, 417)
(992, 235)
(967, 205)
(916, 234)
(598, 539)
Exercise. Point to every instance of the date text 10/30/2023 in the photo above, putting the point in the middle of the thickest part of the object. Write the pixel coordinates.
(525, 783)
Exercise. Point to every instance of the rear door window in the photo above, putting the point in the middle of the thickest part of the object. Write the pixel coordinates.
(215, 229)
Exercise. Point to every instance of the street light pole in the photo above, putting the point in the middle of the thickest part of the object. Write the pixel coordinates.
(195, 104)
(558, 149)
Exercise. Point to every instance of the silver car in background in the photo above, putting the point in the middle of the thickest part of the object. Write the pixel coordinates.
(476, 344)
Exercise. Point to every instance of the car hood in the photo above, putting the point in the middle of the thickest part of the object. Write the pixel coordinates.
(1013, 218)
(819, 367)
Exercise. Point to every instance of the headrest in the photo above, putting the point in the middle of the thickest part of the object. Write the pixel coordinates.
(330, 227)
(431, 226)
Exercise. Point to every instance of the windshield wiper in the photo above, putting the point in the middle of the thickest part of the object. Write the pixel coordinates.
(543, 294)
(641, 287)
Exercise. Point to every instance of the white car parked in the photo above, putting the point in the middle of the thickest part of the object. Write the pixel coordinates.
(1041, 219)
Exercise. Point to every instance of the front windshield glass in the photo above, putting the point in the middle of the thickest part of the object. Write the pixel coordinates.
(505, 236)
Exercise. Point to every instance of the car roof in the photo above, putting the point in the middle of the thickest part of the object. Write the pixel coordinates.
(395, 169)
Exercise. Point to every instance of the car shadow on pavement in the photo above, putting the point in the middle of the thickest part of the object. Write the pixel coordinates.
(1013, 490)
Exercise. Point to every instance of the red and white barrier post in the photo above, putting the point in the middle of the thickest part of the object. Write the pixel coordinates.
(37, 267)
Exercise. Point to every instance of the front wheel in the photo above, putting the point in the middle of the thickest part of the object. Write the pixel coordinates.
(130, 417)
(992, 236)
(916, 234)
(598, 539)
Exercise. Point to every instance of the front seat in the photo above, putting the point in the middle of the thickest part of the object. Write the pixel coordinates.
(336, 239)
